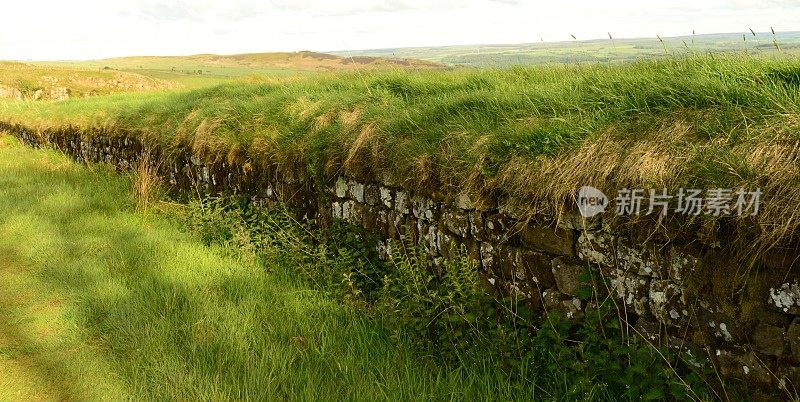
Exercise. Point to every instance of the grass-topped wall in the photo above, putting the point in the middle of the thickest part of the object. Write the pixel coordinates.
(492, 160)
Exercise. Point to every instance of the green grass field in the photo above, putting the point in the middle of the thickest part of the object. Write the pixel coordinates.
(100, 302)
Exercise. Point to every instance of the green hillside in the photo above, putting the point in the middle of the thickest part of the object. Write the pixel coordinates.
(208, 69)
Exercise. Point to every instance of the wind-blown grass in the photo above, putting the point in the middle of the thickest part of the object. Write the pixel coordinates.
(529, 136)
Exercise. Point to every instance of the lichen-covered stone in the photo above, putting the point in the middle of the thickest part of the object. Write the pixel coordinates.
(768, 340)
(423, 208)
(355, 191)
(497, 227)
(488, 256)
(549, 240)
(505, 261)
(456, 221)
(680, 264)
(668, 303)
(596, 248)
(336, 210)
(632, 289)
(340, 187)
(448, 246)
(786, 298)
(463, 202)
(401, 203)
(641, 259)
(552, 299)
(429, 238)
(573, 309)
(372, 195)
(384, 250)
(370, 219)
(386, 197)
(723, 329)
(349, 213)
(477, 225)
(567, 274)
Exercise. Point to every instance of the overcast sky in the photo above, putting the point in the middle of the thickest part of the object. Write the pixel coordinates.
(87, 29)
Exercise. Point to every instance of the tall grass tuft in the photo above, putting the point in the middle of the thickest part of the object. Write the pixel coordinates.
(147, 185)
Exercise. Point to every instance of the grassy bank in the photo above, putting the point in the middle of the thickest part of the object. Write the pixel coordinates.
(530, 136)
(99, 302)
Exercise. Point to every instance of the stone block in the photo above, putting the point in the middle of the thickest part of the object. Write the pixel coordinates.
(401, 202)
(488, 257)
(463, 202)
(548, 240)
(371, 221)
(668, 303)
(680, 264)
(498, 228)
(632, 289)
(428, 238)
(372, 195)
(386, 197)
(747, 367)
(355, 191)
(768, 340)
(649, 330)
(793, 336)
(567, 275)
(340, 187)
(536, 268)
(642, 259)
(423, 208)
(477, 225)
(448, 246)
(456, 221)
(596, 248)
(786, 297)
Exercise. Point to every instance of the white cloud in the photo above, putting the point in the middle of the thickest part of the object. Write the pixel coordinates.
(79, 29)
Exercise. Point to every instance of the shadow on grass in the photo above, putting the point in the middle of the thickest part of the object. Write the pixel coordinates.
(175, 319)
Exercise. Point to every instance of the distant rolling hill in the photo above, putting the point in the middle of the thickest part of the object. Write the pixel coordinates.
(598, 50)
(204, 69)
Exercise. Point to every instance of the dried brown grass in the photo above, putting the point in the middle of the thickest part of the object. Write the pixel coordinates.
(147, 185)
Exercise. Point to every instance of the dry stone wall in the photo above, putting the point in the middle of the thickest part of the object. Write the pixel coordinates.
(677, 294)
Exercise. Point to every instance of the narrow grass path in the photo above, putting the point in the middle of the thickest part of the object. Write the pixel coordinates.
(98, 302)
